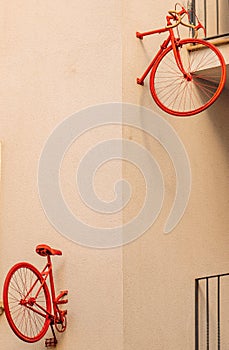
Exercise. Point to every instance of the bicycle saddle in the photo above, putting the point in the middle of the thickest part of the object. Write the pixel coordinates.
(44, 250)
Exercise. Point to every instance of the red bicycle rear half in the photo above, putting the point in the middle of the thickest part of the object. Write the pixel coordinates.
(27, 302)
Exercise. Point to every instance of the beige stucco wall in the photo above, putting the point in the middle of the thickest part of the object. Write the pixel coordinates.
(57, 58)
(159, 269)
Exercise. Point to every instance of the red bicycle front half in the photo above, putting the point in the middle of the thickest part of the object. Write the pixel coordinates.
(187, 75)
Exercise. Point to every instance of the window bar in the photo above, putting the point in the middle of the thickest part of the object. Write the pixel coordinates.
(191, 6)
(218, 311)
(196, 314)
(194, 10)
(207, 313)
(217, 16)
(191, 11)
(205, 14)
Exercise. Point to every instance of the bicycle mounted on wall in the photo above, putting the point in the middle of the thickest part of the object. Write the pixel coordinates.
(30, 306)
(182, 81)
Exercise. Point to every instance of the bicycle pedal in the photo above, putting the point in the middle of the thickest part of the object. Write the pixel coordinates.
(50, 342)
(64, 301)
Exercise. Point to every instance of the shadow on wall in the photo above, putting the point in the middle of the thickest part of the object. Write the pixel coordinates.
(218, 115)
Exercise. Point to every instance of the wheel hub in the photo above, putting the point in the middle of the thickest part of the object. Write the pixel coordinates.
(188, 77)
(30, 301)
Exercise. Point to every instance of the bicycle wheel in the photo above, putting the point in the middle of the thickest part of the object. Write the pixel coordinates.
(182, 95)
(26, 313)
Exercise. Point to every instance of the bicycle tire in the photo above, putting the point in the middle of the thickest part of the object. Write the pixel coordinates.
(173, 93)
(27, 324)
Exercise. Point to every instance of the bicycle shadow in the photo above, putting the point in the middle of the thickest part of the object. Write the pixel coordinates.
(218, 114)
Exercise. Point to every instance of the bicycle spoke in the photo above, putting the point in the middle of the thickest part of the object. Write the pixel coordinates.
(180, 93)
(194, 90)
(168, 93)
(207, 78)
(23, 312)
(17, 286)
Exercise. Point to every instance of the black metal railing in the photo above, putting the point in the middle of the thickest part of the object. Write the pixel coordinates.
(213, 14)
(212, 312)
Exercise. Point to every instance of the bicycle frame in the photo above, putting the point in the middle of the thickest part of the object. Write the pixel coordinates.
(31, 304)
(173, 16)
(164, 45)
(46, 272)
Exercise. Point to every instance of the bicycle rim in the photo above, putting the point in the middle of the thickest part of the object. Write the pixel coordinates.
(27, 324)
(177, 95)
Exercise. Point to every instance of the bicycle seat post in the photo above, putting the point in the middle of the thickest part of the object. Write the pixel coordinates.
(51, 279)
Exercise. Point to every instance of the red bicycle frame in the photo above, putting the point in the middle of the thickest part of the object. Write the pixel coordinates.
(47, 271)
(177, 17)
(31, 305)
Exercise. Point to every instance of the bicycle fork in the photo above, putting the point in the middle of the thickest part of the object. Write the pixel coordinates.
(175, 44)
(176, 52)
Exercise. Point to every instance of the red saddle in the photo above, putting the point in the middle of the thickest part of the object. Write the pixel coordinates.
(44, 250)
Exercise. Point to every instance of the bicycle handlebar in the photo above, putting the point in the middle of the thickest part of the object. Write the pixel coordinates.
(178, 16)
(175, 16)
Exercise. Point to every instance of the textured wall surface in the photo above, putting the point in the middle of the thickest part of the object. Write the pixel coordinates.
(57, 58)
(159, 269)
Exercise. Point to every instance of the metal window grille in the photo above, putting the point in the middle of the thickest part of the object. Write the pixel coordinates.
(212, 312)
(214, 15)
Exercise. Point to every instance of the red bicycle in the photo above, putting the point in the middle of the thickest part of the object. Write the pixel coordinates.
(29, 306)
(182, 80)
